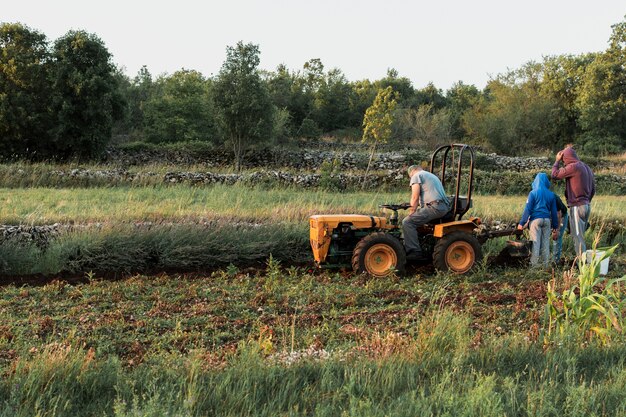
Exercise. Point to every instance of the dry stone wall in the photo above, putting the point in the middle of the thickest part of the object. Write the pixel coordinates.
(312, 159)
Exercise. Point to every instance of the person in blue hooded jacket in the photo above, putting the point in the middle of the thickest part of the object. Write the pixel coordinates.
(541, 215)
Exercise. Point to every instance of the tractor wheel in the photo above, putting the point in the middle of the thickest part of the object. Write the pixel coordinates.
(457, 252)
(379, 255)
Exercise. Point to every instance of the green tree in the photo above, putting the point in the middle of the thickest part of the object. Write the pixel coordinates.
(179, 109)
(562, 76)
(86, 97)
(332, 102)
(378, 120)
(512, 118)
(602, 97)
(401, 85)
(460, 98)
(241, 99)
(430, 95)
(137, 93)
(24, 90)
(427, 125)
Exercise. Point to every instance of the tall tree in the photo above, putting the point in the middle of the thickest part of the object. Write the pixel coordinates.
(602, 97)
(378, 120)
(332, 102)
(24, 90)
(430, 95)
(512, 118)
(138, 94)
(86, 97)
(460, 97)
(242, 101)
(562, 77)
(180, 109)
(401, 85)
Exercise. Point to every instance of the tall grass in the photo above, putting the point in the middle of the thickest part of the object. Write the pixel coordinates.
(441, 372)
(43, 205)
(128, 249)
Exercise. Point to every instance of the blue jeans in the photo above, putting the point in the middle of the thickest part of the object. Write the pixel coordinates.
(420, 217)
(557, 245)
(540, 236)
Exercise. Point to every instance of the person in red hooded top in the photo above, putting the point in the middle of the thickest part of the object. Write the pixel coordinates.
(580, 187)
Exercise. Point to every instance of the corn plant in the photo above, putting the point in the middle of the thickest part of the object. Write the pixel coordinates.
(589, 304)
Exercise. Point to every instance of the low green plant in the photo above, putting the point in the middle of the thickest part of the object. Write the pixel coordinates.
(328, 176)
(587, 303)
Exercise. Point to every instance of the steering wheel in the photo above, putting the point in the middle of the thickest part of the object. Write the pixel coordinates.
(394, 207)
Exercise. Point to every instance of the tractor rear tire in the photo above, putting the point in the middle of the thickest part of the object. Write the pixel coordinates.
(379, 254)
(457, 252)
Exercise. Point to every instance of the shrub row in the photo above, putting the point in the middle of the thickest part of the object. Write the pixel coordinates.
(126, 249)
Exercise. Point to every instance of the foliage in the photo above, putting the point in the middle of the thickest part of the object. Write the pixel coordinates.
(242, 101)
(179, 110)
(176, 336)
(512, 118)
(378, 120)
(460, 98)
(332, 105)
(309, 129)
(425, 125)
(281, 126)
(123, 249)
(561, 78)
(66, 102)
(602, 96)
(379, 117)
(590, 306)
(24, 91)
(86, 99)
(429, 96)
(328, 177)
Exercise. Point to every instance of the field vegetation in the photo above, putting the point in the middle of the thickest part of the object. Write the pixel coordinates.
(201, 300)
(152, 297)
(288, 341)
(215, 202)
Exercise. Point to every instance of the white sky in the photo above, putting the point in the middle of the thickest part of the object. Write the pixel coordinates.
(435, 40)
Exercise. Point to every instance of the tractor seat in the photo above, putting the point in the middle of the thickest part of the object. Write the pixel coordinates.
(449, 216)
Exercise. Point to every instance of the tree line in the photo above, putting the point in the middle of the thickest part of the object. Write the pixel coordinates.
(67, 99)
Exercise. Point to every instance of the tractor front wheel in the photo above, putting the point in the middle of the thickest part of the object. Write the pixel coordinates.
(457, 252)
(379, 255)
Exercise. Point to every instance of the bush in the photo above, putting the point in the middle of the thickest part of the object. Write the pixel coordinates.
(126, 249)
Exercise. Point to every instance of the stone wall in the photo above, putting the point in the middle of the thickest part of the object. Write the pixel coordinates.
(312, 160)
(485, 182)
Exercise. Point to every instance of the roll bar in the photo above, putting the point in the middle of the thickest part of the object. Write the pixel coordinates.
(458, 210)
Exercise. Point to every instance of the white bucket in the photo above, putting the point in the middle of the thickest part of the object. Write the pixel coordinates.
(604, 265)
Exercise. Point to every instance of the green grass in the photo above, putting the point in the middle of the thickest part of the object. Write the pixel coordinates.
(83, 205)
(196, 346)
(125, 249)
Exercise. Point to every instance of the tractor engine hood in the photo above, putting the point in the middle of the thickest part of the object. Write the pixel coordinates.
(322, 226)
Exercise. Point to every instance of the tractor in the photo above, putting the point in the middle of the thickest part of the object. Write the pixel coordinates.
(373, 244)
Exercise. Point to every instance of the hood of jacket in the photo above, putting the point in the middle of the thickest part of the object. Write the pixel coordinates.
(541, 181)
(569, 156)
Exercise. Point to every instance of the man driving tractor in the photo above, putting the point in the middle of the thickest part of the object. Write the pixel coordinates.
(428, 202)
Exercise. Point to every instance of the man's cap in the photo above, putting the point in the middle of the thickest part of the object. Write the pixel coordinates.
(412, 168)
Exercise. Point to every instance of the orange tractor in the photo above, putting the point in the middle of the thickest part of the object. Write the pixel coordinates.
(373, 244)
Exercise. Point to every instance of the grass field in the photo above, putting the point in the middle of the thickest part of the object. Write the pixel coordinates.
(127, 204)
(286, 342)
(278, 340)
